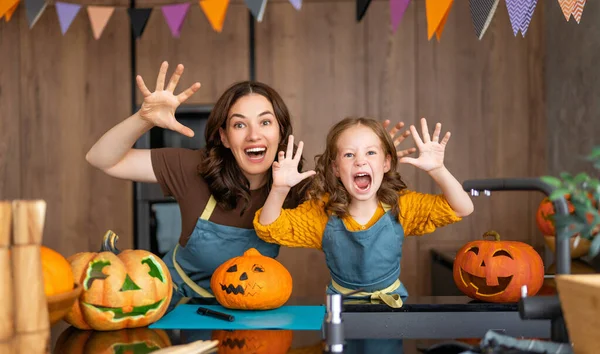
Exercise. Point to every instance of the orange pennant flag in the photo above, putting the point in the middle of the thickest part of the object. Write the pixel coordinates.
(437, 12)
(99, 16)
(11, 11)
(215, 11)
(6, 6)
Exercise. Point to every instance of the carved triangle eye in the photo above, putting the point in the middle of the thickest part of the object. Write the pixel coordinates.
(232, 269)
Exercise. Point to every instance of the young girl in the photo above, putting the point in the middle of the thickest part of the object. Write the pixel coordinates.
(359, 209)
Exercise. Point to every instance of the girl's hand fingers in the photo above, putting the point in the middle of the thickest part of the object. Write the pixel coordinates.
(162, 73)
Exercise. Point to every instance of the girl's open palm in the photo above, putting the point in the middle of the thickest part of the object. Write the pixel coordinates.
(431, 149)
(159, 106)
(285, 169)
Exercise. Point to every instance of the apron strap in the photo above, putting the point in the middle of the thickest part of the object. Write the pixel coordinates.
(386, 207)
(208, 210)
(392, 300)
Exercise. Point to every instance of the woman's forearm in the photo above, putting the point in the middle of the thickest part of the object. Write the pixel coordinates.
(459, 200)
(117, 142)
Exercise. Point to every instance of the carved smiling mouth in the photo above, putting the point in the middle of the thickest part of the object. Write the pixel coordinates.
(240, 290)
(482, 288)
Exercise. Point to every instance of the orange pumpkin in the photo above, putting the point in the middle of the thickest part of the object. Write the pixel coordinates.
(125, 289)
(253, 341)
(495, 271)
(56, 271)
(133, 340)
(251, 282)
(544, 216)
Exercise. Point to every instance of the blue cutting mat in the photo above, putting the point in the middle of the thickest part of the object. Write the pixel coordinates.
(184, 316)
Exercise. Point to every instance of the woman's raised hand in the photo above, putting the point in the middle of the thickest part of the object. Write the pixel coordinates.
(285, 169)
(159, 106)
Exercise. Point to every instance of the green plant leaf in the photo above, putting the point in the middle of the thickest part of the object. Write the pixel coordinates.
(581, 178)
(557, 193)
(551, 180)
(594, 247)
(566, 176)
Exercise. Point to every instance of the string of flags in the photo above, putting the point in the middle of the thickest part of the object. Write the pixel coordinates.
(482, 12)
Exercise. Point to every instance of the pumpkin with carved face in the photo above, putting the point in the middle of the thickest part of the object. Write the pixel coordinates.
(125, 289)
(253, 341)
(251, 282)
(131, 340)
(495, 271)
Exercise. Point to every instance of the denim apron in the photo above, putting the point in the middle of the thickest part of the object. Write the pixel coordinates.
(367, 259)
(210, 245)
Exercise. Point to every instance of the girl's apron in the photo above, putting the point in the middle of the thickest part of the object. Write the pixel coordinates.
(368, 259)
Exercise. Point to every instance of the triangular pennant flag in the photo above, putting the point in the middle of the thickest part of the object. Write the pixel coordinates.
(482, 12)
(34, 9)
(520, 13)
(99, 16)
(174, 15)
(7, 8)
(215, 11)
(397, 9)
(361, 8)
(297, 4)
(578, 9)
(66, 14)
(437, 12)
(567, 8)
(528, 16)
(139, 19)
(257, 8)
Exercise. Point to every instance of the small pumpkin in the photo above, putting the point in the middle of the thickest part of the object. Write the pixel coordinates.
(56, 272)
(253, 341)
(495, 271)
(125, 289)
(544, 216)
(251, 282)
(131, 340)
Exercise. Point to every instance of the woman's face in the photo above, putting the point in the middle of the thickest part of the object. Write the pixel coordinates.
(252, 134)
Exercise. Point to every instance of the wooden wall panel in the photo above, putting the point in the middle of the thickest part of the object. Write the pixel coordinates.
(315, 59)
(216, 60)
(10, 158)
(73, 89)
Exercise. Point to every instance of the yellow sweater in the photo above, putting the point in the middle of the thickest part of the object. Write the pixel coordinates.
(303, 226)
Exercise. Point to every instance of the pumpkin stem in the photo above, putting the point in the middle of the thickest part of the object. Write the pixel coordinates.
(109, 243)
(493, 234)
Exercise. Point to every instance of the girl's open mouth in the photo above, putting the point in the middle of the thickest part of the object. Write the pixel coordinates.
(362, 181)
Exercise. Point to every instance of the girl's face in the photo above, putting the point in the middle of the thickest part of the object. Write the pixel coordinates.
(252, 134)
(360, 162)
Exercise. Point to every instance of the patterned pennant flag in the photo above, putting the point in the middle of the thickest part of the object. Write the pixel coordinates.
(7, 8)
(361, 8)
(482, 12)
(34, 9)
(520, 13)
(257, 8)
(174, 15)
(437, 13)
(397, 10)
(139, 19)
(99, 16)
(297, 4)
(215, 11)
(528, 16)
(66, 14)
(567, 8)
(578, 9)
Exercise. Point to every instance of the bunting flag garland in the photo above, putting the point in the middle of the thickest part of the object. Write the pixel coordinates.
(397, 10)
(482, 12)
(99, 16)
(215, 11)
(174, 15)
(361, 8)
(8, 14)
(572, 7)
(7, 8)
(578, 10)
(257, 8)
(139, 19)
(437, 13)
(297, 4)
(66, 13)
(520, 13)
(34, 9)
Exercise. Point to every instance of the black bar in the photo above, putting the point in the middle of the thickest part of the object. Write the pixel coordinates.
(252, 47)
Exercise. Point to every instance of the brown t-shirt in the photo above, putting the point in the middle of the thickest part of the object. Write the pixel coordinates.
(176, 170)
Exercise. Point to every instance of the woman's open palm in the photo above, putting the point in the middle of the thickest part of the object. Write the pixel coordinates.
(159, 106)
(285, 169)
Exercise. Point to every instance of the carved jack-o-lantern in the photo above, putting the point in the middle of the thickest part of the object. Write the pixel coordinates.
(125, 289)
(134, 340)
(544, 216)
(253, 341)
(495, 271)
(251, 282)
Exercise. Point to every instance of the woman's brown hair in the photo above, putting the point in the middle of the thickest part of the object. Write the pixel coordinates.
(219, 168)
(325, 181)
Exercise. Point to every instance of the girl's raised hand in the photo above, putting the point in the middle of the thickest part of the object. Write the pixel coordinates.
(431, 149)
(159, 106)
(285, 169)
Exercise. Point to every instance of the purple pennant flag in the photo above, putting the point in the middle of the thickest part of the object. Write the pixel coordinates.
(520, 13)
(297, 4)
(174, 15)
(66, 14)
(528, 16)
(397, 9)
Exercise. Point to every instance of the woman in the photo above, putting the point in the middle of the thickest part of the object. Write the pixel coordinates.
(218, 188)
